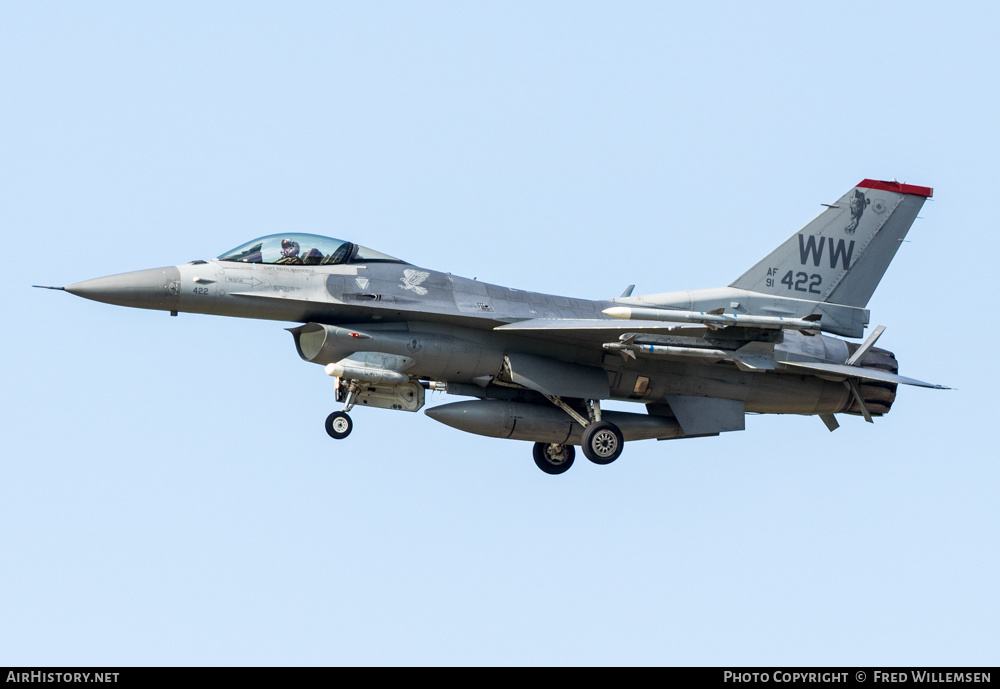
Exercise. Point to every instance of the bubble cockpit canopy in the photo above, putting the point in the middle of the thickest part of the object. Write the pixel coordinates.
(298, 248)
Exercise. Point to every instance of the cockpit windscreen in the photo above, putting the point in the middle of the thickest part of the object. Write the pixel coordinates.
(298, 248)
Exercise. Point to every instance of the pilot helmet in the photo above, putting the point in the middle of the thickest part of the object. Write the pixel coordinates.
(289, 247)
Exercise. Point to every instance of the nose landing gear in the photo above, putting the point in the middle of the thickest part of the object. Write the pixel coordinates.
(339, 425)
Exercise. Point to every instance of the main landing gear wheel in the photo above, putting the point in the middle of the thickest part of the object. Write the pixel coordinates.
(339, 425)
(553, 459)
(602, 442)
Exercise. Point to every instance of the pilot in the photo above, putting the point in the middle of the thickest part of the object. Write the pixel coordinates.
(289, 252)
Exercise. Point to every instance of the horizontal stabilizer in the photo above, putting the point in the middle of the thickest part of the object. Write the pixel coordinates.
(848, 372)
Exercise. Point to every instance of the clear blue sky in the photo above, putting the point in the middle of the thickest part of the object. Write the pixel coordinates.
(167, 493)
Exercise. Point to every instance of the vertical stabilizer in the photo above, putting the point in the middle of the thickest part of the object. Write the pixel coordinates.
(841, 256)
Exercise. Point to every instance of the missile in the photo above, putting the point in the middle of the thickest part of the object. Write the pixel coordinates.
(626, 349)
(754, 356)
(543, 424)
(713, 319)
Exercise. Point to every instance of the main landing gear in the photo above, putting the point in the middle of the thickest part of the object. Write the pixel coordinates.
(553, 458)
(602, 441)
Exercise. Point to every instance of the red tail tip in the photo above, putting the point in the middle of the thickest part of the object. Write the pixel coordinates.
(899, 188)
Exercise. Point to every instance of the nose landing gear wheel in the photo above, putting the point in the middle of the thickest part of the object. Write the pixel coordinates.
(339, 425)
(553, 459)
(602, 442)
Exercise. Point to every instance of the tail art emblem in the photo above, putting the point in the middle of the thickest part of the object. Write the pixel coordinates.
(858, 203)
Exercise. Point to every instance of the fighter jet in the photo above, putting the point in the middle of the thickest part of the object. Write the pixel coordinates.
(538, 366)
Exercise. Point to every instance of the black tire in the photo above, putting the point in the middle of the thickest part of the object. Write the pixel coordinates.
(339, 425)
(602, 442)
(553, 462)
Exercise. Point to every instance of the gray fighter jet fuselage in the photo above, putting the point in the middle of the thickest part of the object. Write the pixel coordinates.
(537, 366)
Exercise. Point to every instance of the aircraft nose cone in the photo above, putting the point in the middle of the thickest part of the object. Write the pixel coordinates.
(156, 288)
